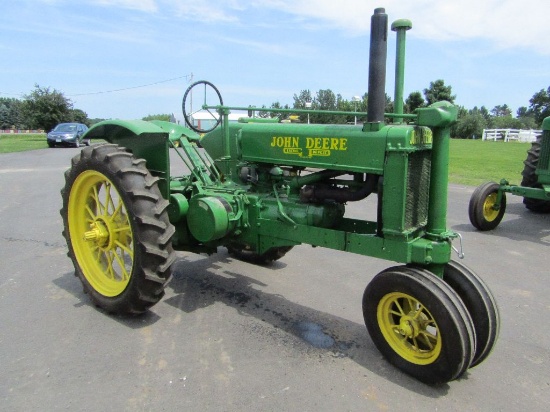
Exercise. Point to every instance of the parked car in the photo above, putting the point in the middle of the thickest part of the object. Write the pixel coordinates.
(68, 134)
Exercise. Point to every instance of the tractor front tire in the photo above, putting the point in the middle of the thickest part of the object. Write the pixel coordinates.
(117, 229)
(481, 209)
(419, 324)
(530, 179)
(481, 306)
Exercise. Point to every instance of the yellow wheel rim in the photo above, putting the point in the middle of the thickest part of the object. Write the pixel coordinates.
(100, 232)
(409, 329)
(489, 212)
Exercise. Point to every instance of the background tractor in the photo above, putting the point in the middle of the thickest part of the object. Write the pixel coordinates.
(488, 202)
(260, 187)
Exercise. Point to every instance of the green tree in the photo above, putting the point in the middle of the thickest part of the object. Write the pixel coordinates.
(527, 118)
(5, 122)
(414, 101)
(79, 116)
(95, 120)
(301, 101)
(163, 117)
(277, 105)
(502, 118)
(438, 92)
(470, 124)
(540, 105)
(327, 100)
(44, 108)
(10, 113)
(267, 114)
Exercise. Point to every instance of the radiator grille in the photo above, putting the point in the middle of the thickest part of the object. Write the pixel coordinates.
(418, 188)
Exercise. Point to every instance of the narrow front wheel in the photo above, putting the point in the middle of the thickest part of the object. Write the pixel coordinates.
(484, 210)
(419, 324)
(481, 306)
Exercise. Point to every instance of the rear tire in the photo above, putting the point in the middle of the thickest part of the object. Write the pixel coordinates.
(530, 179)
(117, 229)
(481, 210)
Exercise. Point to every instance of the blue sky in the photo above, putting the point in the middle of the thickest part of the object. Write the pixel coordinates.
(256, 53)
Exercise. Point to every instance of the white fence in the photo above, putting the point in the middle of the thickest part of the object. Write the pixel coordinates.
(508, 135)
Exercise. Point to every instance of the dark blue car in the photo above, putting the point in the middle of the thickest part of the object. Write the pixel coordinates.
(68, 134)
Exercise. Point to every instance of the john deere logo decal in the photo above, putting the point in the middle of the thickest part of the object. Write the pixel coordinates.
(309, 146)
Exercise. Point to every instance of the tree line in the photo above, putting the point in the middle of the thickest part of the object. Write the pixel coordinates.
(471, 122)
(44, 108)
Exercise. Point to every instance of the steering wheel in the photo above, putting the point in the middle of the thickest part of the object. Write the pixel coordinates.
(205, 93)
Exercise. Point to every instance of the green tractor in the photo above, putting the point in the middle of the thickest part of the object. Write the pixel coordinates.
(260, 187)
(488, 202)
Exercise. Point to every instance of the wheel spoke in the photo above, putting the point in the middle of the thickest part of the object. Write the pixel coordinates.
(117, 210)
(428, 338)
(126, 249)
(98, 203)
(419, 311)
(108, 198)
(401, 311)
(110, 269)
(91, 213)
(124, 273)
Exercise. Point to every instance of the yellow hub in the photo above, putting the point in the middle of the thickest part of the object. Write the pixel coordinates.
(98, 234)
(409, 328)
(489, 211)
(101, 233)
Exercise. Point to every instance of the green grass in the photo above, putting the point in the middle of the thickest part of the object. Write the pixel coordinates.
(16, 142)
(472, 162)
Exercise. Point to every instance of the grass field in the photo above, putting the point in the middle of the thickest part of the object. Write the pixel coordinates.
(472, 162)
(15, 142)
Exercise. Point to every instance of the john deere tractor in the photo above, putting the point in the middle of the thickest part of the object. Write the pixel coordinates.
(488, 202)
(260, 187)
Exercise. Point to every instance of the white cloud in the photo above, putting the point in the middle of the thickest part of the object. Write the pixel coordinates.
(141, 5)
(506, 23)
(206, 10)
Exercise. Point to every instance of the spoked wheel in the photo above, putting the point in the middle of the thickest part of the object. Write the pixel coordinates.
(483, 210)
(198, 95)
(271, 255)
(480, 304)
(419, 324)
(117, 229)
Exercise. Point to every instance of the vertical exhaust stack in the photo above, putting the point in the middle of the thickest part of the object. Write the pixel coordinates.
(377, 66)
(401, 27)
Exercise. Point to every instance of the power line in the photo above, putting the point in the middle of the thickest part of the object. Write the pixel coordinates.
(187, 76)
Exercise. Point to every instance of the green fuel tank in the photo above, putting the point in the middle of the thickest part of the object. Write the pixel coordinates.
(335, 147)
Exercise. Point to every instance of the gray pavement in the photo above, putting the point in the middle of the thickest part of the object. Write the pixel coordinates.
(231, 336)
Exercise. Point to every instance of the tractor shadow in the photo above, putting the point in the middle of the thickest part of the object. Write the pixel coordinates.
(198, 284)
(72, 284)
(519, 224)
